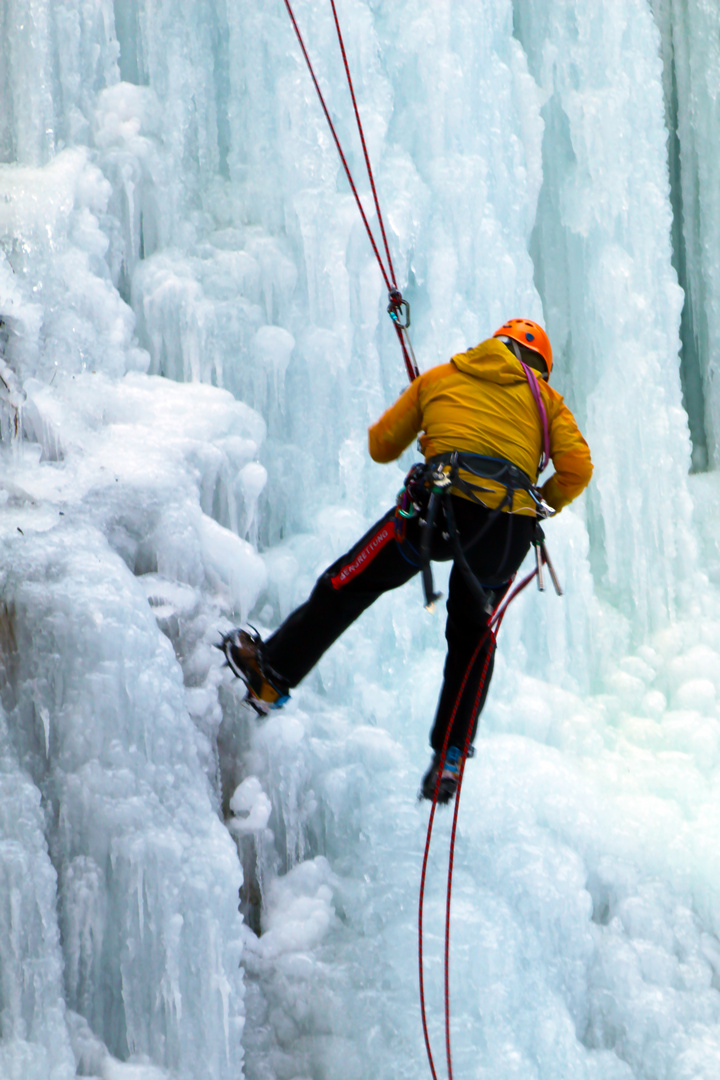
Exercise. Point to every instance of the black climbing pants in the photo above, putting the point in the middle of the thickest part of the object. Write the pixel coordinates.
(387, 556)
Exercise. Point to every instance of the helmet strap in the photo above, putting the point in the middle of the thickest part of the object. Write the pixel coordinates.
(513, 344)
(515, 348)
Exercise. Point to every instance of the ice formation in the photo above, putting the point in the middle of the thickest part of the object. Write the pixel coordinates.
(192, 343)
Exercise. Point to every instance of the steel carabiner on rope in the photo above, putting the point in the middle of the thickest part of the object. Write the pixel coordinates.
(398, 309)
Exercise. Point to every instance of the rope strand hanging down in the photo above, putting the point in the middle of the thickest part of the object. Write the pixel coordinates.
(493, 629)
(364, 146)
(396, 302)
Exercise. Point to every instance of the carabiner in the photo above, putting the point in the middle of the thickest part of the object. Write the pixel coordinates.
(398, 309)
(439, 480)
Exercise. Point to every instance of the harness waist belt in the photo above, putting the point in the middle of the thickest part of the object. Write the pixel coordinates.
(437, 478)
(497, 470)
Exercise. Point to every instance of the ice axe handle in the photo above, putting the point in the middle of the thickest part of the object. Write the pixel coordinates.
(551, 568)
(539, 565)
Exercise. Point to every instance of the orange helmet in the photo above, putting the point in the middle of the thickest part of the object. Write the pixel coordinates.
(531, 335)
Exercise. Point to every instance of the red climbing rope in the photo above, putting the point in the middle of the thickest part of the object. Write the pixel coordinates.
(397, 306)
(362, 140)
(492, 631)
(426, 854)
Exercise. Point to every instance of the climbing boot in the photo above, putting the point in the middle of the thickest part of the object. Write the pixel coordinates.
(448, 779)
(243, 651)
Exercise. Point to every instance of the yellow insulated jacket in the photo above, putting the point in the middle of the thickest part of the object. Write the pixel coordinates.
(481, 402)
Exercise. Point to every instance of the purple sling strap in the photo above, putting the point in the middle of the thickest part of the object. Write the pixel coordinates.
(533, 383)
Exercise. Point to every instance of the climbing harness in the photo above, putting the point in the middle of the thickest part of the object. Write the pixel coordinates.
(398, 308)
(428, 489)
(491, 633)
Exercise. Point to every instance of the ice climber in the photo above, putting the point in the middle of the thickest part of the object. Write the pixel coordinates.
(487, 424)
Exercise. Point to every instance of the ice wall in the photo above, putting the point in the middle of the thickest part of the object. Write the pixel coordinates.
(193, 343)
(122, 883)
(613, 303)
(690, 35)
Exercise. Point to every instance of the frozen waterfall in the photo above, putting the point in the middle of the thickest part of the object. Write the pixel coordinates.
(193, 341)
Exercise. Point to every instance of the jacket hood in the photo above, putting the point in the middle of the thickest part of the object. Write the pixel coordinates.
(491, 361)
